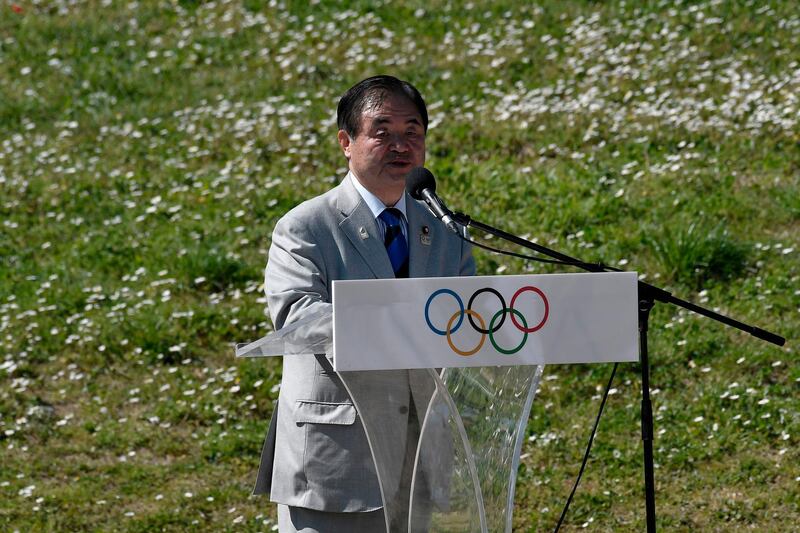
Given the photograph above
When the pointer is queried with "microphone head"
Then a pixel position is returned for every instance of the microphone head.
(419, 179)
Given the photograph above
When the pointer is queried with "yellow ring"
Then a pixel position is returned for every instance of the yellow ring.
(483, 335)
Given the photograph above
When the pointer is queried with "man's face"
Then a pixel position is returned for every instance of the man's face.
(390, 142)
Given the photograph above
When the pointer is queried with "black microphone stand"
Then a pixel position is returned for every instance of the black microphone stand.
(648, 296)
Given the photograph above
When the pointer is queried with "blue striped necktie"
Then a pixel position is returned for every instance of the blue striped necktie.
(395, 241)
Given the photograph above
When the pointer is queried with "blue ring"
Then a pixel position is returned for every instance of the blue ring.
(427, 309)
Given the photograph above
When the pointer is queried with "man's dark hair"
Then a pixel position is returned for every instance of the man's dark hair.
(373, 91)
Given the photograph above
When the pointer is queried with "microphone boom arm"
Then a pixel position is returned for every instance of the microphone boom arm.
(645, 289)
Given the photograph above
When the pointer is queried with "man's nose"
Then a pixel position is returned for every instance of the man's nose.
(399, 143)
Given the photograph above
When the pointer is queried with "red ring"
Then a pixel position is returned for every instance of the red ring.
(546, 309)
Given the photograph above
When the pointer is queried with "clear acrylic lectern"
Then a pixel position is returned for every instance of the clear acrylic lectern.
(445, 443)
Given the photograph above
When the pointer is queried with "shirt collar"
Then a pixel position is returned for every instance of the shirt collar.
(373, 202)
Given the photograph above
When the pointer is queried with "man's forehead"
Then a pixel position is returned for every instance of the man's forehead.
(385, 107)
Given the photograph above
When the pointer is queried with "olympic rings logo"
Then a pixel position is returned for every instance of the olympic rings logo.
(495, 323)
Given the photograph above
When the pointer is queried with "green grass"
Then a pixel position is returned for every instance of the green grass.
(147, 149)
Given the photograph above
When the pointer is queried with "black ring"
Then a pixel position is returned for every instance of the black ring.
(502, 306)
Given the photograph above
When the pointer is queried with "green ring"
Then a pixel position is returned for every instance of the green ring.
(491, 333)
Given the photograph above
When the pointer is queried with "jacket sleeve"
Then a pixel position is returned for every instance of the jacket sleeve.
(295, 279)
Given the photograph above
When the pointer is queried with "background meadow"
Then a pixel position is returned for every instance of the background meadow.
(147, 149)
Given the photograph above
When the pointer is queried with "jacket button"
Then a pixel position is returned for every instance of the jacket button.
(403, 409)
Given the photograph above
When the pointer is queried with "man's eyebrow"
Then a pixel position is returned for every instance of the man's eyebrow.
(377, 121)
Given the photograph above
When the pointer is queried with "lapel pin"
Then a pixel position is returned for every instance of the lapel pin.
(425, 236)
(362, 232)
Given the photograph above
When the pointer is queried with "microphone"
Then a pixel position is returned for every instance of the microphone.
(421, 185)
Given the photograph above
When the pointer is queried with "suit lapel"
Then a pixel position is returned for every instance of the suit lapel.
(421, 239)
(360, 227)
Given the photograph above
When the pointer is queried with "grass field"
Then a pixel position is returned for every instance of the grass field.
(148, 147)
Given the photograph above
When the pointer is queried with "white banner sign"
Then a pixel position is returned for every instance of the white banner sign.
(485, 321)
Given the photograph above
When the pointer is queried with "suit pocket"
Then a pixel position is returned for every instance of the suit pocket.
(312, 412)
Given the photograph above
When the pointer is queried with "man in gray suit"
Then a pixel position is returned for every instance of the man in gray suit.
(316, 461)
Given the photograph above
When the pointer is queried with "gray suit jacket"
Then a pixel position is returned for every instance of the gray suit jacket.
(316, 454)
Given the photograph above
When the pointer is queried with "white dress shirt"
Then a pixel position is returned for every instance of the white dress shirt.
(377, 206)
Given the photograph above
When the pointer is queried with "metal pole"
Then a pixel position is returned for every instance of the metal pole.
(645, 305)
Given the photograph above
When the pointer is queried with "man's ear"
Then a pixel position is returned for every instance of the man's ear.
(344, 141)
